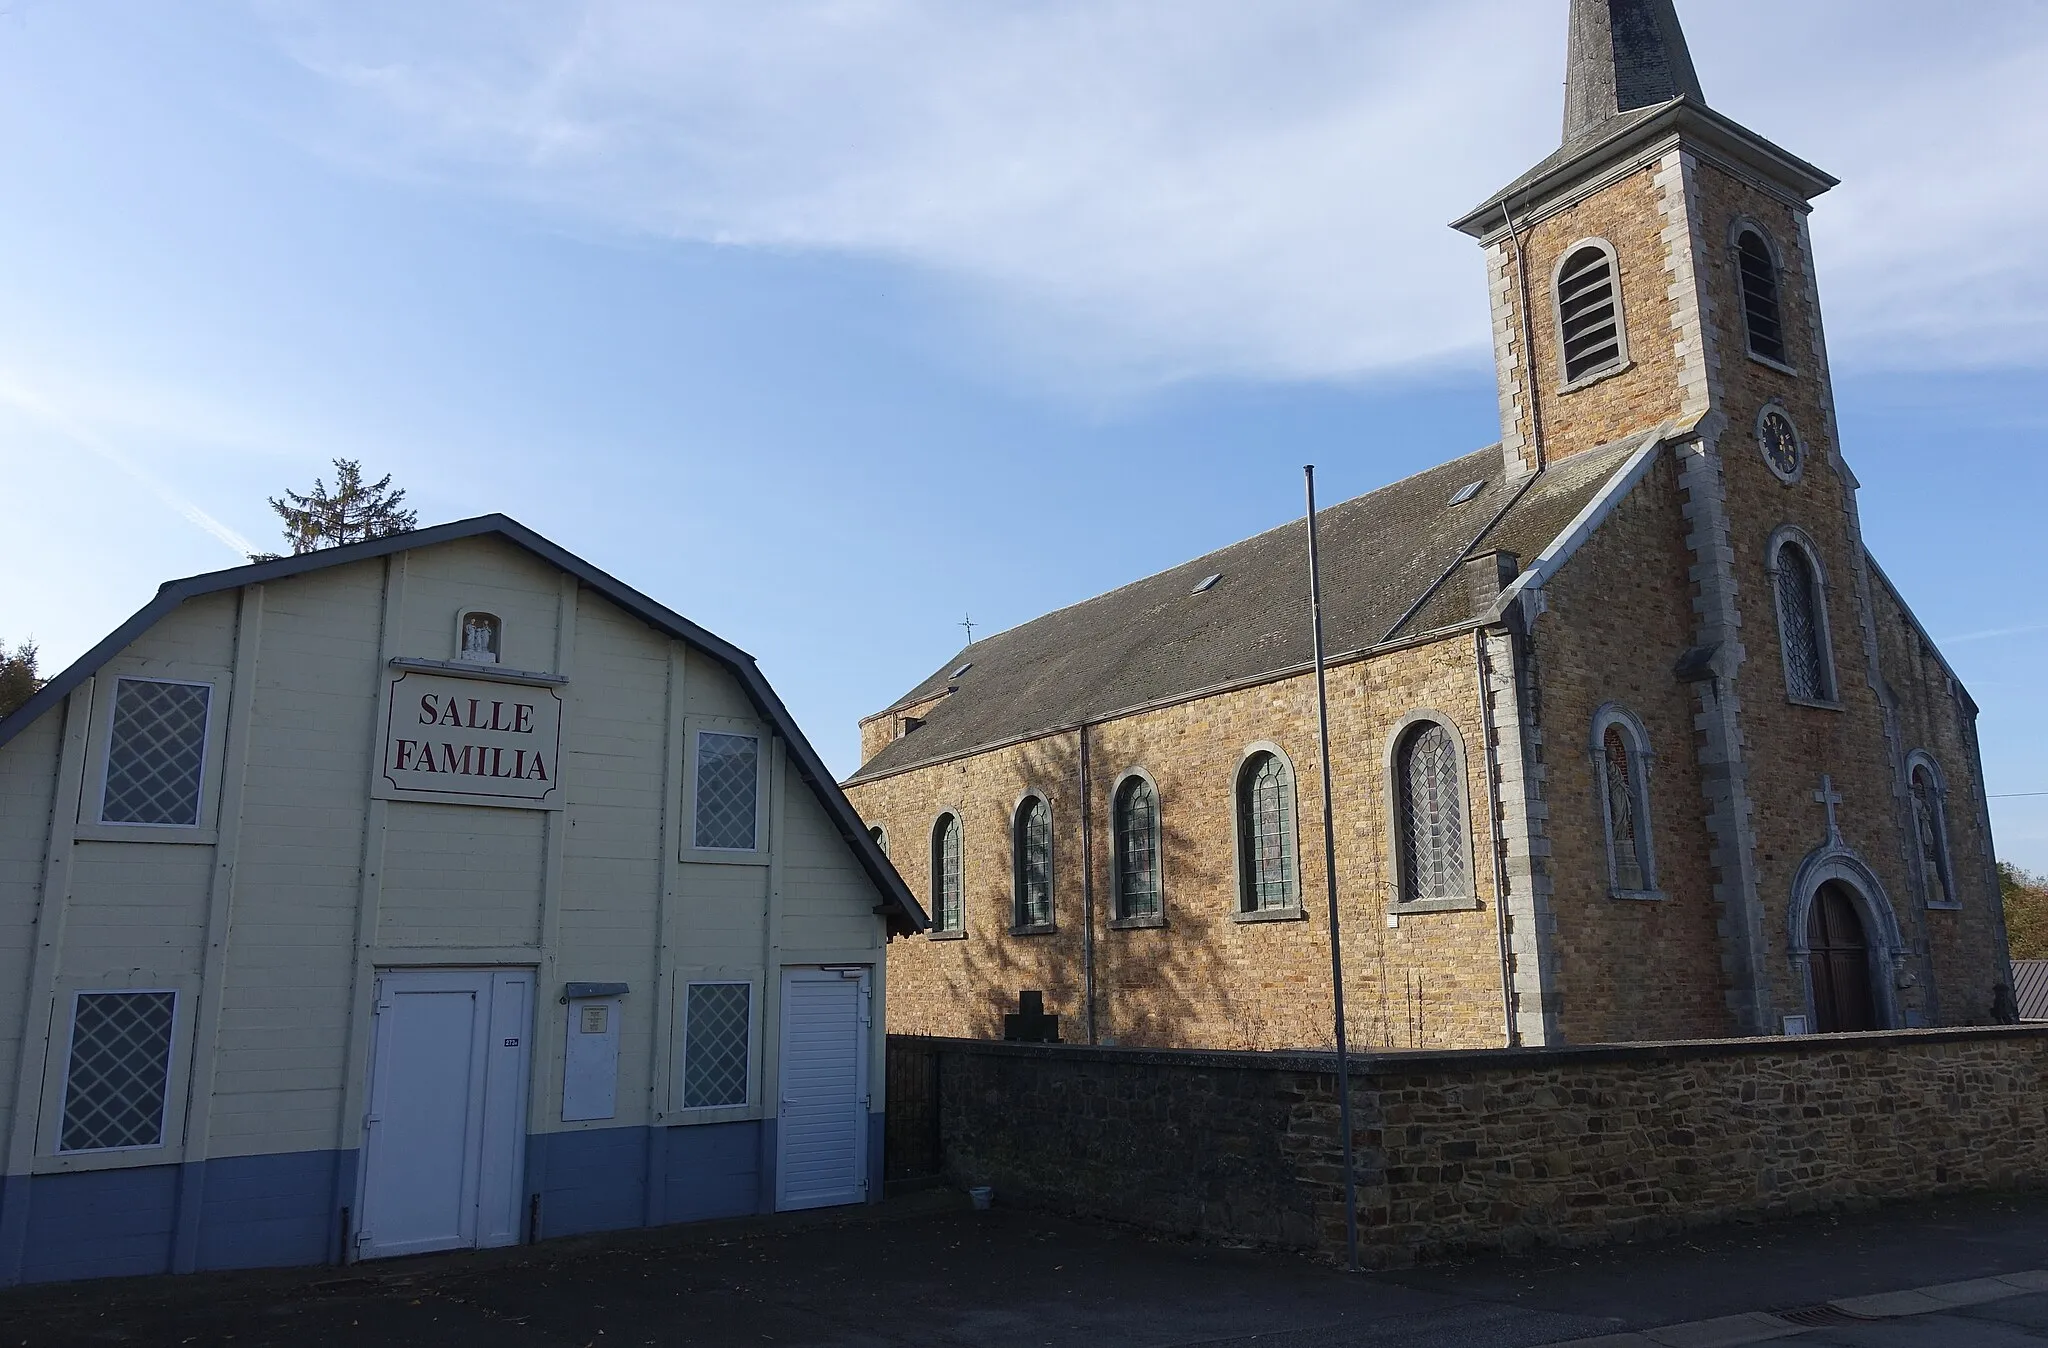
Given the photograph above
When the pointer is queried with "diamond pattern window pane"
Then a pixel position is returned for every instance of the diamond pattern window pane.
(947, 888)
(1432, 818)
(728, 787)
(715, 1045)
(1266, 833)
(120, 1071)
(156, 753)
(1137, 850)
(1798, 609)
(1034, 863)
(1622, 812)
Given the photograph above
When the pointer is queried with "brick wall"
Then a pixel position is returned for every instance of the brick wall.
(1496, 1150)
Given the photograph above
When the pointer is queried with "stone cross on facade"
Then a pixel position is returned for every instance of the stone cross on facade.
(1828, 796)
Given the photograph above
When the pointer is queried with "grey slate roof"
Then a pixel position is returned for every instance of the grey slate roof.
(1387, 558)
(902, 909)
(1623, 55)
(2030, 988)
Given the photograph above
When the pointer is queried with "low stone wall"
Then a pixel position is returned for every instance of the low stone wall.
(1494, 1149)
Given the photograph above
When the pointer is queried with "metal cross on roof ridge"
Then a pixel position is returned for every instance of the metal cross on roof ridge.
(967, 621)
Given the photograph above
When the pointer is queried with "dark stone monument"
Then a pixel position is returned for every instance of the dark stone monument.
(1029, 1024)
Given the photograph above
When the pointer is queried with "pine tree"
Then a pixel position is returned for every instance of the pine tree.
(18, 679)
(354, 512)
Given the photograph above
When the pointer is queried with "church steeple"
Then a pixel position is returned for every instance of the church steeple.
(1623, 55)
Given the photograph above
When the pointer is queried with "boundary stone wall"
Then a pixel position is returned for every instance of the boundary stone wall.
(1493, 1149)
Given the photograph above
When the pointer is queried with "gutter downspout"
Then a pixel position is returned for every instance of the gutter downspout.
(1493, 822)
(1087, 896)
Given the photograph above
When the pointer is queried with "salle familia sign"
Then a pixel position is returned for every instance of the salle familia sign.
(471, 741)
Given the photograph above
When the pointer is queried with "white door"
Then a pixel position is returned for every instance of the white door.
(444, 1138)
(821, 1139)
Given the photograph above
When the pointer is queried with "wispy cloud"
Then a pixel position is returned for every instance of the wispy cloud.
(1995, 633)
(19, 395)
(1200, 187)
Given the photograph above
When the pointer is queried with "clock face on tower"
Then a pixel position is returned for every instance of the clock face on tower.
(1780, 444)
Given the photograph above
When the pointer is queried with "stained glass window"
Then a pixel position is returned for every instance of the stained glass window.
(1432, 816)
(1806, 665)
(1265, 830)
(1137, 849)
(1033, 843)
(948, 900)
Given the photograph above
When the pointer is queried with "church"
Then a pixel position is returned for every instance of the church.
(1631, 737)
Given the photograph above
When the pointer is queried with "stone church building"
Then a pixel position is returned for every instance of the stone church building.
(1631, 736)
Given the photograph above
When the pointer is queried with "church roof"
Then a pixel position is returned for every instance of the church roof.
(1390, 573)
(902, 910)
(1623, 55)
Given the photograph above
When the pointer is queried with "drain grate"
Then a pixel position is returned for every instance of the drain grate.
(1811, 1316)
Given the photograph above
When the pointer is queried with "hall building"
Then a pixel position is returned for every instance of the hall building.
(431, 892)
(1631, 737)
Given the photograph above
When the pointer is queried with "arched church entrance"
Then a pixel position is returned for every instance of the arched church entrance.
(1839, 958)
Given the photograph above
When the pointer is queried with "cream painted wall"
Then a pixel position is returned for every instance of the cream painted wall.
(312, 885)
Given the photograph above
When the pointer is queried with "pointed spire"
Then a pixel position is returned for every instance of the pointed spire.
(1623, 55)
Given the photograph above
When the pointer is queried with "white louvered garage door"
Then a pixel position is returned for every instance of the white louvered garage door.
(822, 1130)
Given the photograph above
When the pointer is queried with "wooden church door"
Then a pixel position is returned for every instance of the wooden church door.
(1840, 962)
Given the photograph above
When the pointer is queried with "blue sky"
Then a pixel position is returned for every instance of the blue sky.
(830, 321)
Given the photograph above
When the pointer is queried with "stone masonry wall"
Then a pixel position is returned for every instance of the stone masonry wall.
(1504, 1149)
(1207, 978)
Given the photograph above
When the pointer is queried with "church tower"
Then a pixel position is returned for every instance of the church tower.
(1654, 279)
(1603, 261)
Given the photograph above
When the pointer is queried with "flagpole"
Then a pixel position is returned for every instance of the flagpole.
(1315, 606)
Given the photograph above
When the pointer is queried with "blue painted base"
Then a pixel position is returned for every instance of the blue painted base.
(274, 1211)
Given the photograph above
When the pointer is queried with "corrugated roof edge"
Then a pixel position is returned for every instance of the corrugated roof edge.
(906, 916)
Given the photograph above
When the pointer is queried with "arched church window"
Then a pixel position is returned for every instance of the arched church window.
(949, 909)
(1135, 835)
(1762, 315)
(881, 837)
(1430, 815)
(1265, 834)
(1031, 862)
(1590, 331)
(1802, 624)
(1930, 824)
(1622, 775)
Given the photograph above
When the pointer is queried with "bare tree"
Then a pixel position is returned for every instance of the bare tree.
(353, 512)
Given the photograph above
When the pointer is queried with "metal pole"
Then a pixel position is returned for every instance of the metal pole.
(1315, 606)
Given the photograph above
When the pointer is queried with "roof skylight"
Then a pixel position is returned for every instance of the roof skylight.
(1468, 491)
(1208, 582)
(962, 670)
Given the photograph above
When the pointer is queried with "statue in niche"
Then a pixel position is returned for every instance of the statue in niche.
(479, 638)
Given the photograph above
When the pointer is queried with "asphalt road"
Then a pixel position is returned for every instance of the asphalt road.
(924, 1270)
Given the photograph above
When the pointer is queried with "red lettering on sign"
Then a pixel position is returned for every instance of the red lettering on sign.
(428, 712)
(522, 719)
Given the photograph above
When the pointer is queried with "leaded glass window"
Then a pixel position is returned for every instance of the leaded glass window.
(1265, 831)
(716, 1022)
(1033, 844)
(728, 791)
(156, 753)
(1137, 849)
(1432, 816)
(1932, 826)
(948, 897)
(1589, 313)
(1760, 306)
(1806, 665)
(119, 1074)
(1622, 773)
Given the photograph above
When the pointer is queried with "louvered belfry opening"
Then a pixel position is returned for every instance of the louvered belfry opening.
(1760, 296)
(1589, 313)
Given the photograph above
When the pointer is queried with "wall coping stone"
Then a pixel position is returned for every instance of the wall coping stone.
(1406, 1062)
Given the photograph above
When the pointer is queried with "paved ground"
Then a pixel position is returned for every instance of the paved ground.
(924, 1271)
